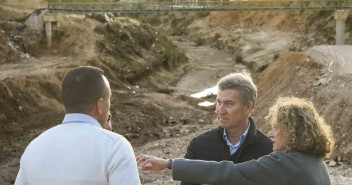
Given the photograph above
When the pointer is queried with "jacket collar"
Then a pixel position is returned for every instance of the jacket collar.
(251, 135)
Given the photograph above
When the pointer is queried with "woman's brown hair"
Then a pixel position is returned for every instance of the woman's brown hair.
(308, 132)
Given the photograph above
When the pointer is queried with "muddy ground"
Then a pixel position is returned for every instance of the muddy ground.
(152, 75)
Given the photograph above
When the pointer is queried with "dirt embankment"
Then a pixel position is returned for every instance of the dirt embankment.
(227, 31)
(296, 74)
(7, 23)
(311, 27)
(7, 54)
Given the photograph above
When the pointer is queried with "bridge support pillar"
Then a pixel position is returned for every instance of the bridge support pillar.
(340, 17)
(48, 19)
(48, 33)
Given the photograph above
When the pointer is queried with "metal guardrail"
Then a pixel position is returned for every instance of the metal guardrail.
(194, 6)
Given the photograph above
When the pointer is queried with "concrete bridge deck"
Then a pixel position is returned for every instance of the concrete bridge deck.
(196, 6)
(81, 6)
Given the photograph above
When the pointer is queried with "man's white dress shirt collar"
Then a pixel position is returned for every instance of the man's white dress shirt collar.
(80, 118)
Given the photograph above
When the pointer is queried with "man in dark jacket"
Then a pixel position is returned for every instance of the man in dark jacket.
(236, 139)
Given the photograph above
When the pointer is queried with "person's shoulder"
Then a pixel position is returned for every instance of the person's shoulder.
(115, 141)
(208, 134)
(281, 157)
(262, 137)
(256, 133)
(298, 161)
(293, 157)
(280, 154)
(303, 156)
(89, 129)
(110, 135)
(49, 133)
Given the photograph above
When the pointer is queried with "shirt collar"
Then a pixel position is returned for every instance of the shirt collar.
(80, 118)
(242, 136)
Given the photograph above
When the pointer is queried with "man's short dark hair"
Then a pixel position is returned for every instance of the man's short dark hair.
(81, 88)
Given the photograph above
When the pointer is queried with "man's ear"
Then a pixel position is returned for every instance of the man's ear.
(248, 108)
(99, 106)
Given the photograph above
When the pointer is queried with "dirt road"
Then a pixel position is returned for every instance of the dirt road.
(207, 65)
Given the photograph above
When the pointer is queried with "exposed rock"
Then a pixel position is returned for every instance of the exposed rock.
(332, 164)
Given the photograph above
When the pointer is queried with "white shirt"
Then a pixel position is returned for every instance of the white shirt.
(78, 152)
(234, 148)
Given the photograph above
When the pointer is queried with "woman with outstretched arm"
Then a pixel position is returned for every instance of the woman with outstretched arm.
(301, 140)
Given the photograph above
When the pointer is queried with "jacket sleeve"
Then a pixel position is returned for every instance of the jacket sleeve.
(190, 155)
(266, 171)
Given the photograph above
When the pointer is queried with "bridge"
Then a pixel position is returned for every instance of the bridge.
(341, 7)
(195, 6)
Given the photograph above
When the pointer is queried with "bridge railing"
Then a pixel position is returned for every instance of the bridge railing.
(201, 5)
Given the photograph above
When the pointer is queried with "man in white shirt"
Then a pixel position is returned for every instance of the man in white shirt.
(79, 151)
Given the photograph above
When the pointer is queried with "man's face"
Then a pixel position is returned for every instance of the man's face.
(103, 118)
(230, 112)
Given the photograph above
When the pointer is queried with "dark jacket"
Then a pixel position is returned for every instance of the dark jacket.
(278, 168)
(211, 146)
